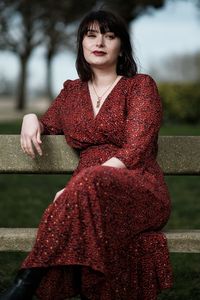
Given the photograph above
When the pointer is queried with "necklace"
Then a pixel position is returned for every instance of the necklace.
(100, 97)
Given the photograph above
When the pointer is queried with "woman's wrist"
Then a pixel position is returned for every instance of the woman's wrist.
(29, 115)
(41, 127)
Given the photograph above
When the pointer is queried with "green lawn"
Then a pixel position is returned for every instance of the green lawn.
(24, 198)
(175, 129)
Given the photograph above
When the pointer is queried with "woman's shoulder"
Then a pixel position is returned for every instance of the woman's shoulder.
(70, 84)
(142, 84)
(140, 78)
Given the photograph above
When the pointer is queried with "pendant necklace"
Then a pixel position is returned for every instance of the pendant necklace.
(100, 97)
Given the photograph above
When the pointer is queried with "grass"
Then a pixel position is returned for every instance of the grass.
(180, 129)
(24, 198)
(10, 127)
(169, 129)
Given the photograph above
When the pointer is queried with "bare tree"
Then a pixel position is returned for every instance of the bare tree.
(20, 32)
(130, 10)
(58, 16)
(24, 26)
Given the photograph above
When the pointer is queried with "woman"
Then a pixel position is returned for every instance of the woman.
(100, 237)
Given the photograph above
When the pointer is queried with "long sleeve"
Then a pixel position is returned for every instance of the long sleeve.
(51, 120)
(144, 116)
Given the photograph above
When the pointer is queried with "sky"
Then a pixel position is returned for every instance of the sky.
(174, 29)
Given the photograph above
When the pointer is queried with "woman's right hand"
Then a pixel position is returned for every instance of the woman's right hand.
(58, 194)
(30, 135)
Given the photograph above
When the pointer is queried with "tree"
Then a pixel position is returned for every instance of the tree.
(24, 26)
(20, 32)
(130, 10)
(58, 16)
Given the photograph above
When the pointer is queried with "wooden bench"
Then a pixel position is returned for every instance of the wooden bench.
(178, 155)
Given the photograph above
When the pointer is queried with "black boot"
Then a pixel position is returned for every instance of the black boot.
(24, 285)
(83, 297)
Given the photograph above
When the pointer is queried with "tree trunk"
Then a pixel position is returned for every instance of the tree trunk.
(21, 95)
(49, 75)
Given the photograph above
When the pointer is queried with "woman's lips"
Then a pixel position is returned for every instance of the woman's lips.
(99, 53)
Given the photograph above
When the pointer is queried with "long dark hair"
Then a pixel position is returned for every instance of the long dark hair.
(107, 21)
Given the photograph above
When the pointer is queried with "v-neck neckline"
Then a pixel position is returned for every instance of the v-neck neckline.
(89, 99)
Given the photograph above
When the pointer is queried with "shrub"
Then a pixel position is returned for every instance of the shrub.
(181, 102)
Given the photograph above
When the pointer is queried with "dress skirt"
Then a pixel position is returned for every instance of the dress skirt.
(101, 239)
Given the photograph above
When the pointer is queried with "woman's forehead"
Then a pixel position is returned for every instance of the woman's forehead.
(96, 27)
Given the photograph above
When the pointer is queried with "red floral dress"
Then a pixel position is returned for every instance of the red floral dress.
(101, 238)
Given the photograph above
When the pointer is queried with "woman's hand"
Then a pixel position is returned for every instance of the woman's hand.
(114, 162)
(58, 194)
(30, 135)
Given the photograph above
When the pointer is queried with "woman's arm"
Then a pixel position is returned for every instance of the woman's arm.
(30, 137)
(144, 116)
(49, 123)
(52, 118)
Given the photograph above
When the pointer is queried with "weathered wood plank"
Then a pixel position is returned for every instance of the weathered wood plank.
(177, 155)
(183, 241)
(22, 239)
(57, 157)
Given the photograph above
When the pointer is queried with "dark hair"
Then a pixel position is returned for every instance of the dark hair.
(107, 21)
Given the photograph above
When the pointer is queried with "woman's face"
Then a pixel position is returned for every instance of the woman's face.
(101, 49)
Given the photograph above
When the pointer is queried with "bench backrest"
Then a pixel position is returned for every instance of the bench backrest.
(177, 155)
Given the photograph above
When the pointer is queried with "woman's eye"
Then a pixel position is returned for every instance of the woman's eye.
(91, 35)
(111, 36)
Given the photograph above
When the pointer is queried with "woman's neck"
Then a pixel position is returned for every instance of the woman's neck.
(103, 77)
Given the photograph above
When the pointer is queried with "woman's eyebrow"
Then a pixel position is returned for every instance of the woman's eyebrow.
(97, 31)
(92, 30)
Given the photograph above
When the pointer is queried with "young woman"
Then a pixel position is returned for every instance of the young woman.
(100, 236)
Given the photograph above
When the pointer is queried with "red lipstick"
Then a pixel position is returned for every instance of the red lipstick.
(99, 53)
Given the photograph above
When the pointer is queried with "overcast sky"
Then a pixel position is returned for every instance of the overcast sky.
(175, 29)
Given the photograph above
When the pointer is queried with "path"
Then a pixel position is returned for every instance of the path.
(9, 113)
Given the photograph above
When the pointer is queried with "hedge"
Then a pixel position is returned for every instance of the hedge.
(181, 102)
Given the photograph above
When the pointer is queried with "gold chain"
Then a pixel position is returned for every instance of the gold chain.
(100, 97)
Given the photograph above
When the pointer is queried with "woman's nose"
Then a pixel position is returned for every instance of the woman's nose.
(100, 41)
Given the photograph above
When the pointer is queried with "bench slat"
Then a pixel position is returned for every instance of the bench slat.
(177, 155)
(22, 239)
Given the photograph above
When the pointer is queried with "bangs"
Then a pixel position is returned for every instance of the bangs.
(101, 22)
(103, 27)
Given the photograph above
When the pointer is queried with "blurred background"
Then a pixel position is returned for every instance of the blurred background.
(38, 53)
